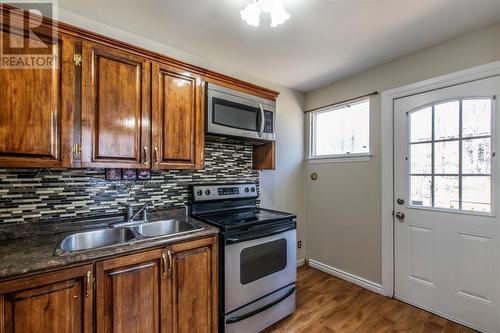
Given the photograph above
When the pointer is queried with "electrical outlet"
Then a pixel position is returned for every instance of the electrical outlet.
(299, 244)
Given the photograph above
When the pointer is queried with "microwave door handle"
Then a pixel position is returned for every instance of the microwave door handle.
(261, 127)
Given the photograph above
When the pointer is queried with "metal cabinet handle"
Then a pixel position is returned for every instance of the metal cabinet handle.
(88, 283)
(145, 155)
(156, 155)
(164, 264)
(169, 255)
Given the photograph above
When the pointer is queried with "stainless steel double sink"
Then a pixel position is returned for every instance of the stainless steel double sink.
(106, 237)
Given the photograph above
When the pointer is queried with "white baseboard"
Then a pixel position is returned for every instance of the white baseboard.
(357, 280)
(301, 262)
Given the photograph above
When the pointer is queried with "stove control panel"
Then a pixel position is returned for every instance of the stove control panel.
(224, 191)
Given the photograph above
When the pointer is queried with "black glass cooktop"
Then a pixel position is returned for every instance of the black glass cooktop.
(242, 218)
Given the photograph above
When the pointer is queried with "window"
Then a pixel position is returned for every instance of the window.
(340, 132)
(450, 155)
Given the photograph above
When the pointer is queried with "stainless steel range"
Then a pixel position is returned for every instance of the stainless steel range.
(257, 256)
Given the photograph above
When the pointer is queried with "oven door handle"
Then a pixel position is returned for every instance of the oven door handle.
(236, 319)
(266, 233)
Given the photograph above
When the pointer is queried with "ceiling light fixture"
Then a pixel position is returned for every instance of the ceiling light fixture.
(275, 8)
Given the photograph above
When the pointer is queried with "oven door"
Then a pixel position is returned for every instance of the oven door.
(228, 114)
(257, 263)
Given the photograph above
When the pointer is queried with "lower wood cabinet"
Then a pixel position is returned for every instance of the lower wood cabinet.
(172, 289)
(192, 288)
(130, 293)
(166, 290)
(56, 302)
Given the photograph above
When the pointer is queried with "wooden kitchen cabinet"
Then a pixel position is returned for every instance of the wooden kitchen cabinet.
(115, 108)
(130, 293)
(164, 290)
(172, 289)
(193, 286)
(57, 302)
(178, 118)
(106, 104)
(264, 156)
(37, 103)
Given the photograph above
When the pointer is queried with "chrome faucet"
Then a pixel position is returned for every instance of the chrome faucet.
(130, 215)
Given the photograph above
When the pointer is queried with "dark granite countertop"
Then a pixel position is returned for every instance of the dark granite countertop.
(27, 249)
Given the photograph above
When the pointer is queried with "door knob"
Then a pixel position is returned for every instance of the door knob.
(400, 216)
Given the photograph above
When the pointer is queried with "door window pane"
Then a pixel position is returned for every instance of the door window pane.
(476, 156)
(446, 120)
(476, 193)
(421, 158)
(476, 117)
(421, 125)
(262, 260)
(452, 168)
(421, 190)
(446, 157)
(446, 192)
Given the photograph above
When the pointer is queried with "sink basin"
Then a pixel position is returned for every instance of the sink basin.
(165, 228)
(95, 239)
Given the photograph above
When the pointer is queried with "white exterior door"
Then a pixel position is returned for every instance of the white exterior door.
(447, 249)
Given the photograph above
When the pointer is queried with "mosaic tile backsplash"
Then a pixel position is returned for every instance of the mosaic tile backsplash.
(37, 195)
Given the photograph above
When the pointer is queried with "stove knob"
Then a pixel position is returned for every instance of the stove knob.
(207, 192)
(247, 189)
(253, 189)
(200, 192)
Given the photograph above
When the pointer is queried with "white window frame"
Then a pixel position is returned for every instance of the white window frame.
(335, 158)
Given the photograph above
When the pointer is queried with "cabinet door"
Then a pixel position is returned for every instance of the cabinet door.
(37, 102)
(129, 293)
(178, 118)
(58, 302)
(115, 108)
(193, 287)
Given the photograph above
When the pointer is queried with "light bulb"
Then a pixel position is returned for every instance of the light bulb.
(275, 8)
(277, 11)
(251, 14)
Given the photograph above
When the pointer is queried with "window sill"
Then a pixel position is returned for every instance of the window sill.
(340, 159)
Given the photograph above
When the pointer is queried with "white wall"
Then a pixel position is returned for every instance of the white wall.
(343, 205)
(282, 188)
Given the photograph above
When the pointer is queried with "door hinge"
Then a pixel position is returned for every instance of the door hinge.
(77, 59)
(77, 150)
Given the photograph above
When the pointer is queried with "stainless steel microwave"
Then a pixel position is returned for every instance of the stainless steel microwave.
(235, 114)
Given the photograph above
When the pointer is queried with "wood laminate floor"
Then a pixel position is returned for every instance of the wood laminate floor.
(328, 304)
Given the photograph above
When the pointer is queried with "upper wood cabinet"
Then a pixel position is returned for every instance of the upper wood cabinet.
(37, 104)
(130, 293)
(178, 118)
(115, 108)
(105, 104)
(264, 156)
(58, 302)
